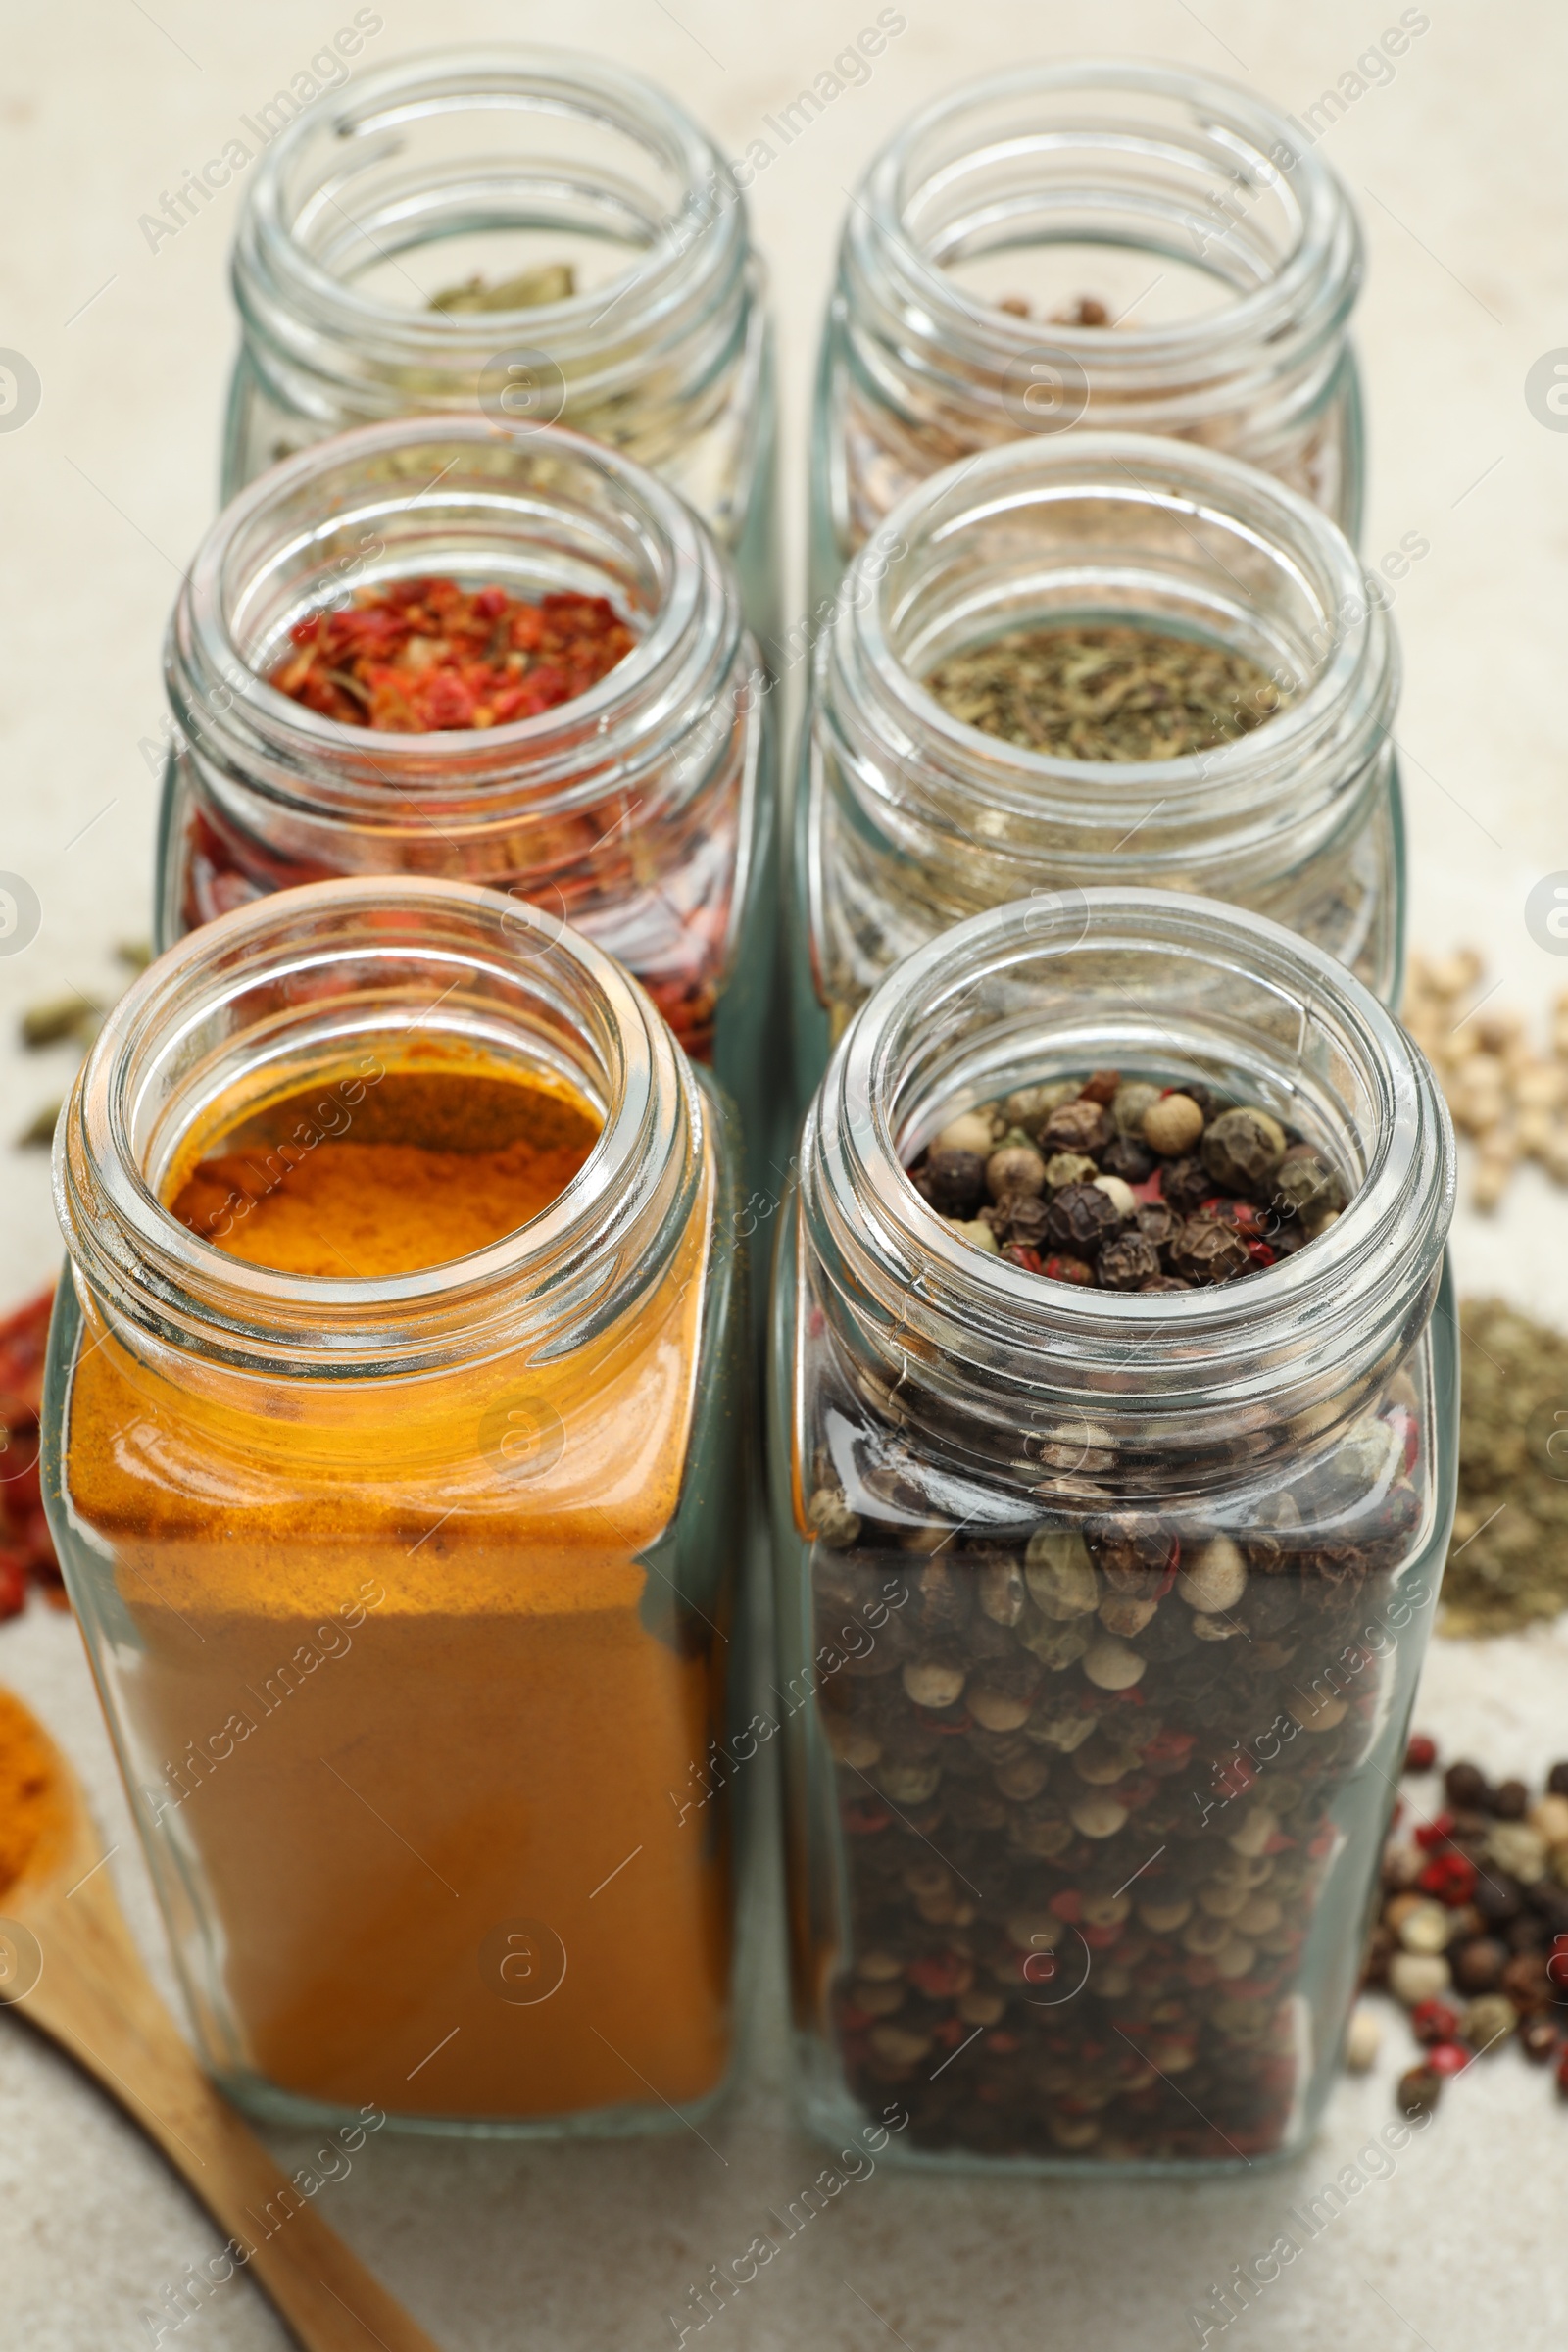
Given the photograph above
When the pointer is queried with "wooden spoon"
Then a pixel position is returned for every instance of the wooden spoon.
(69, 1966)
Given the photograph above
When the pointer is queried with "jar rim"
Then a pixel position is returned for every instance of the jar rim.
(1307, 297)
(895, 1261)
(858, 657)
(568, 1272)
(555, 758)
(276, 278)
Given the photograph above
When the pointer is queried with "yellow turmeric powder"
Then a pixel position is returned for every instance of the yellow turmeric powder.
(29, 1795)
(399, 1692)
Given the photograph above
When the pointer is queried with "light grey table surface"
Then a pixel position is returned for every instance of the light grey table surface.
(103, 494)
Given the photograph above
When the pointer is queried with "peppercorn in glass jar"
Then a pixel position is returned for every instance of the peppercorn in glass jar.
(526, 232)
(1096, 660)
(1108, 1556)
(395, 1455)
(310, 740)
(1132, 245)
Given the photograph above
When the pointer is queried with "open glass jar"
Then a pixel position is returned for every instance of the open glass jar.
(907, 820)
(384, 229)
(1130, 245)
(641, 811)
(412, 1595)
(1101, 1613)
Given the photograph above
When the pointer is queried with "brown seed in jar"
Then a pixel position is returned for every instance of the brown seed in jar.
(934, 1682)
(1078, 1126)
(1172, 1125)
(1014, 1168)
(1097, 1816)
(1002, 1592)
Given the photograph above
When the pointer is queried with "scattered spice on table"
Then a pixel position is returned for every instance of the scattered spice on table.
(27, 1551)
(1106, 693)
(1508, 1095)
(1472, 1933)
(528, 290)
(29, 1790)
(1127, 1184)
(1508, 1562)
(422, 656)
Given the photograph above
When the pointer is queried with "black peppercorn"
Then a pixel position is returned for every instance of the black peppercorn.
(1126, 1158)
(1081, 1216)
(955, 1182)
(1186, 1184)
(1206, 1251)
(1128, 1261)
(1467, 1789)
(1080, 1126)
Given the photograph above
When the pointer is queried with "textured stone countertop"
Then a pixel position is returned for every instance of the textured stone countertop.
(1457, 163)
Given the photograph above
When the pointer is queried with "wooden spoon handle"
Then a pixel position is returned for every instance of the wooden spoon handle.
(95, 1999)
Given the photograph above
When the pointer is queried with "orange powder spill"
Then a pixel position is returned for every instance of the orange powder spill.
(395, 1688)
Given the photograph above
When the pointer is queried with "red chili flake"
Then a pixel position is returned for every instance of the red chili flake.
(1448, 2057)
(1019, 1253)
(1434, 2021)
(1432, 1835)
(862, 1818)
(942, 1977)
(1450, 1876)
(1421, 1752)
(424, 656)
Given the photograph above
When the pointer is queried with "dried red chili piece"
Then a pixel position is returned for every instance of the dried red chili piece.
(425, 656)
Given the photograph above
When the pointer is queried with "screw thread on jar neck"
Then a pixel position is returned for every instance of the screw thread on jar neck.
(295, 988)
(396, 162)
(1106, 528)
(1171, 1385)
(1104, 152)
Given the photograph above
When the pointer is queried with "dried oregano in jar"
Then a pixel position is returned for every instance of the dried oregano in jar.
(1106, 1596)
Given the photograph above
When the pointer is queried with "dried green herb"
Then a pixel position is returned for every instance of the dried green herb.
(1508, 1561)
(529, 290)
(1106, 693)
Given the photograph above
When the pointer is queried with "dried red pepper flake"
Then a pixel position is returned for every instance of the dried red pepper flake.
(425, 656)
(1450, 1876)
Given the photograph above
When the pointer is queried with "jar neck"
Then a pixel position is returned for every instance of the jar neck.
(1115, 1392)
(1220, 194)
(475, 143)
(345, 982)
(1097, 528)
(531, 511)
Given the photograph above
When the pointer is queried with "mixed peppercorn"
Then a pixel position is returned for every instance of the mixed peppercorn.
(1127, 1184)
(1472, 1933)
(424, 656)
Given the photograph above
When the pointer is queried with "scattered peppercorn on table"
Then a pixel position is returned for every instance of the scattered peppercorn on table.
(1390, 2229)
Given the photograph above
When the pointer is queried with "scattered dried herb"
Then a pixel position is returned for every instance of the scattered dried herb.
(529, 290)
(423, 656)
(1508, 1562)
(1106, 693)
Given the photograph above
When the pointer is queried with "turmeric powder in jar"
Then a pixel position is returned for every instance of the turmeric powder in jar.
(394, 1430)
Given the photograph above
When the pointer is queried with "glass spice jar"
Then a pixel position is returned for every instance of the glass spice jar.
(641, 811)
(524, 230)
(1101, 1613)
(1130, 245)
(413, 1586)
(907, 820)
